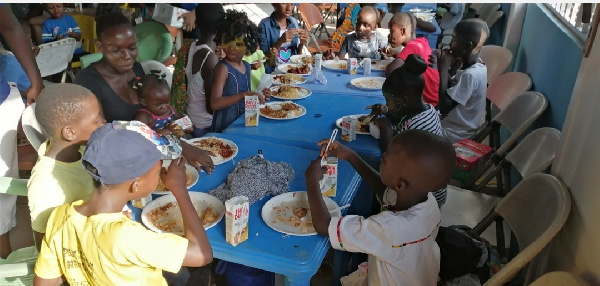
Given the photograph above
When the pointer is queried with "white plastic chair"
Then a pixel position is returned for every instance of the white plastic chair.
(502, 91)
(487, 9)
(32, 128)
(559, 278)
(55, 57)
(496, 59)
(155, 65)
(17, 268)
(493, 18)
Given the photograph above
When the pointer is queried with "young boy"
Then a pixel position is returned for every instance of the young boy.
(94, 243)
(462, 96)
(400, 241)
(60, 26)
(402, 33)
(364, 43)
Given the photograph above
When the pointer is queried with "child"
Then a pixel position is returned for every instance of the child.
(231, 77)
(462, 96)
(280, 37)
(258, 69)
(60, 26)
(402, 33)
(400, 240)
(68, 113)
(364, 43)
(93, 243)
(345, 25)
(155, 98)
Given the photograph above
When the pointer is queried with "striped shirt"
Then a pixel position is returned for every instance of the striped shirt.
(428, 120)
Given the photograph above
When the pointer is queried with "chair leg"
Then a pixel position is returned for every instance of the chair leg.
(500, 243)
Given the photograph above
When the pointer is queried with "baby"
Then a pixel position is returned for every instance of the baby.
(155, 97)
(364, 43)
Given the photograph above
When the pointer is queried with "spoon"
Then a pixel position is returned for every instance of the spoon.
(308, 217)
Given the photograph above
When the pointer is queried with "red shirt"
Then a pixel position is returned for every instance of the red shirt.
(420, 46)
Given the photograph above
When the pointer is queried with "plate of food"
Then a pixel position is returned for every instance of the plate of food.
(283, 213)
(361, 128)
(379, 65)
(420, 10)
(368, 83)
(225, 150)
(301, 69)
(164, 216)
(287, 92)
(191, 178)
(334, 65)
(282, 110)
(302, 59)
(288, 78)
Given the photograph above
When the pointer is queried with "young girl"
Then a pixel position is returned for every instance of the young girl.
(155, 95)
(231, 77)
(405, 109)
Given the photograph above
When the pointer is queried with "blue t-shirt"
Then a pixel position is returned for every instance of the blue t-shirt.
(51, 28)
(11, 70)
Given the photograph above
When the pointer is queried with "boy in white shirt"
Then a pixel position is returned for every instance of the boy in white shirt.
(400, 240)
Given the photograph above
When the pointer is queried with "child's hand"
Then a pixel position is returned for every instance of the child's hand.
(163, 131)
(378, 109)
(256, 65)
(287, 36)
(267, 93)
(328, 55)
(303, 35)
(35, 50)
(174, 177)
(433, 58)
(315, 172)
(335, 149)
(382, 123)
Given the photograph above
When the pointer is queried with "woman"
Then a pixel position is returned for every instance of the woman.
(109, 78)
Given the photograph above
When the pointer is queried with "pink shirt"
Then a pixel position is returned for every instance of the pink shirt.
(420, 46)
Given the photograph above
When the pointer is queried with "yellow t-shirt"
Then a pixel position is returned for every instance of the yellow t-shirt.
(255, 75)
(106, 249)
(54, 183)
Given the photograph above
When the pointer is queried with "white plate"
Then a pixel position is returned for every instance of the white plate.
(379, 65)
(277, 81)
(298, 59)
(285, 67)
(420, 10)
(201, 201)
(302, 93)
(302, 110)
(218, 160)
(335, 65)
(189, 172)
(366, 83)
(338, 123)
(278, 209)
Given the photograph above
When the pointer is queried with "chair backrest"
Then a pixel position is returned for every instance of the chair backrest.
(18, 267)
(87, 24)
(154, 65)
(535, 152)
(496, 59)
(506, 87)
(32, 128)
(54, 57)
(89, 59)
(310, 14)
(519, 115)
(154, 41)
(493, 18)
(487, 9)
(536, 209)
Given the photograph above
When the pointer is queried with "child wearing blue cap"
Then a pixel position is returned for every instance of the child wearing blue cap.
(94, 243)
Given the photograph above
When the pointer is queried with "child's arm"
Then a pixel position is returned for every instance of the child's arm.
(206, 72)
(199, 252)
(446, 103)
(426, 26)
(303, 37)
(370, 176)
(47, 33)
(38, 281)
(319, 212)
(76, 31)
(386, 132)
(218, 101)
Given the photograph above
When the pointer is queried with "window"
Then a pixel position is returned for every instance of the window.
(576, 16)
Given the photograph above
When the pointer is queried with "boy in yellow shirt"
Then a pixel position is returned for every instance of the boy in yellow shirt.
(93, 243)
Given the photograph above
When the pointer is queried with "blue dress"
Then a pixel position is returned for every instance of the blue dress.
(236, 82)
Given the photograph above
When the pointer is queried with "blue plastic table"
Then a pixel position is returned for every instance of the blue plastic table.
(296, 257)
(339, 82)
(431, 36)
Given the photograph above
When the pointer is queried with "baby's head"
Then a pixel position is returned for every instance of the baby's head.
(366, 22)
(469, 37)
(154, 93)
(236, 35)
(54, 9)
(68, 112)
(417, 162)
(126, 153)
(403, 88)
(207, 16)
(402, 29)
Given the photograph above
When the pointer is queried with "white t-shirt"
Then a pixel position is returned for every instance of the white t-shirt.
(401, 245)
(284, 53)
(196, 109)
(468, 88)
(453, 16)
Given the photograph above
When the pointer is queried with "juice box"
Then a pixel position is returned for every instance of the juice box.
(237, 213)
(141, 203)
(185, 123)
(329, 182)
(318, 61)
(349, 128)
(251, 108)
(367, 66)
(352, 65)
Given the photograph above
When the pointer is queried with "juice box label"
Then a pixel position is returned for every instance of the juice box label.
(329, 182)
(349, 128)
(237, 214)
(251, 106)
(185, 123)
(352, 65)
